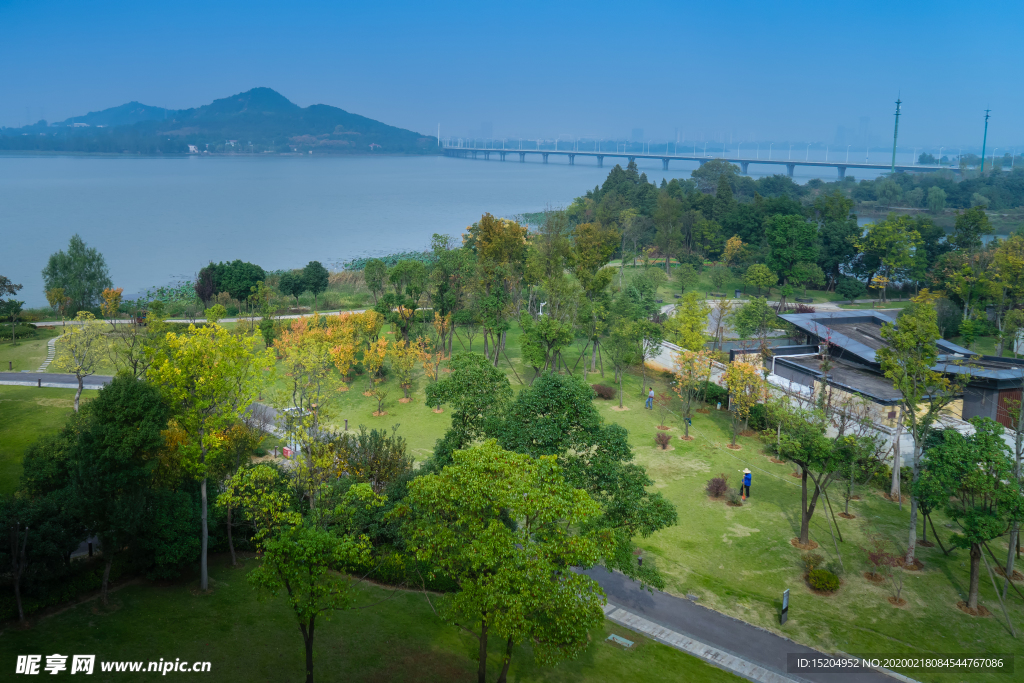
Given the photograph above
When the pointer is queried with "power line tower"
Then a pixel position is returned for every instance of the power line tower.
(895, 133)
(983, 141)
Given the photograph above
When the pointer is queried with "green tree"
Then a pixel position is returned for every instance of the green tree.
(759, 275)
(508, 529)
(969, 228)
(754, 319)
(709, 173)
(81, 272)
(210, 377)
(316, 278)
(891, 244)
(477, 392)
(623, 348)
(291, 284)
(908, 359)
(375, 274)
(837, 229)
(687, 277)
(237, 278)
(557, 416)
(80, 349)
(936, 199)
(542, 341)
(791, 240)
(982, 495)
(115, 460)
(686, 327)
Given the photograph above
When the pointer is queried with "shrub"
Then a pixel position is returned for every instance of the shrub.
(604, 391)
(804, 308)
(714, 393)
(823, 580)
(734, 496)
(662, 439)
(835, 567)
(758, 419)
(811, 561)
(717, 486)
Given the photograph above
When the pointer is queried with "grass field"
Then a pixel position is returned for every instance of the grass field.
(246, 639)
(26, 413)
(737, 560)
(28, 354)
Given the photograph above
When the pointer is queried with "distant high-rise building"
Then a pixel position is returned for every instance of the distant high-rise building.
(637, 135)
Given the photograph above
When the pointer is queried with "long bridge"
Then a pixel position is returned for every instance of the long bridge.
(744, 163)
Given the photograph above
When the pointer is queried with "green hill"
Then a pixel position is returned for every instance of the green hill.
(257, 121)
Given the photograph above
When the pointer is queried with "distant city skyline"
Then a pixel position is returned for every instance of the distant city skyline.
(746, 71)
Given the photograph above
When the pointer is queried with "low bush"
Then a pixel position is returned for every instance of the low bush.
(662, 439)
(834, 567)
(714, 393)
(604, 391)
(823, 580)
(811, 561)
(804, 308)
(734, 496)
(717, 486)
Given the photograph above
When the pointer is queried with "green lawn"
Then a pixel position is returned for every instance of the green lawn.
(25, 414)
(737, 560)
(245, 639)
(25, 355)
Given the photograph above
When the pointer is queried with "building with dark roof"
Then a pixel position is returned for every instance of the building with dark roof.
(851, 339)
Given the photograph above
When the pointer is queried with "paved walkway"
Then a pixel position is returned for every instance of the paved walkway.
(52, 380)
(51, 351)
(744, 649)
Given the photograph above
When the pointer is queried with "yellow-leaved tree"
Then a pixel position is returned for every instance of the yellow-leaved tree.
(686, 327)
(210, 377)
(693, 371)
(747, 388)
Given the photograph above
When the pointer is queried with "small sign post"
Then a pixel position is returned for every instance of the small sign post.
(785, 607)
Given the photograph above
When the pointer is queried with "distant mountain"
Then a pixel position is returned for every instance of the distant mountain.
(258, 121)
(125, 115)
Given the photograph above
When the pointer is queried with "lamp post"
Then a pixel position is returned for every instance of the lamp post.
(705, 149)
(913, 159)
(758, 150)
(939, 160)
(790, 152)
(770, 150)
(848, 153)
(808, 156)
(738, 150)
(826, 154)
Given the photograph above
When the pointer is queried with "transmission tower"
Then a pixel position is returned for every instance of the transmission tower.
(895, 133)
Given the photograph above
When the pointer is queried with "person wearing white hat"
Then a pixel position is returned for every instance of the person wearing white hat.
(745, 486)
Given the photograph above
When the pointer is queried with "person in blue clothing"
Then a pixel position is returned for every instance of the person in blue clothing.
(745, 486)
(649, 403)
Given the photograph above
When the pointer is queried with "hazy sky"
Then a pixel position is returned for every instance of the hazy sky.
(769, 71)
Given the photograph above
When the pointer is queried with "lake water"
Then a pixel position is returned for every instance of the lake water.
(158, 220)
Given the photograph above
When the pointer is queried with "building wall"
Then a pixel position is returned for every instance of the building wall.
(979, 402)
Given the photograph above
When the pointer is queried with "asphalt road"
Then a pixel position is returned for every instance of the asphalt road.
(713, 628)
(53, 379)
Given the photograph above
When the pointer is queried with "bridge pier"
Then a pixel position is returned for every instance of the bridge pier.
(487, 156)
(572, 159)
(842, 172)
(522, 157)
(790, 168)
(545, 155)
(631, 159)
(474, 154)
(702, 161)
(743, 167)
(664, 164)
(502, 155)
(600, 161)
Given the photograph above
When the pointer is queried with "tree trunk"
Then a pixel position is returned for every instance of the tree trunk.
(481, 672)
(894, 488)
(508, 660)
(204, 578)
(1010, 553)
(972, 593)
(620, 389)
(307, 639)
(106, 576)
(593, 358)
(912, 541)
(78, 394)
(231, 543)
(805, 521)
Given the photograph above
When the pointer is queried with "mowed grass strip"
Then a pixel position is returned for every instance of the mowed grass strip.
(247, 639)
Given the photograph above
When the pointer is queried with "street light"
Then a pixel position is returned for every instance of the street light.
(808, 156)
(758, 150)
(790, 152)
(705, 149)
(939, 160)
(826, 154)
(738, 150)
(848, 153)
(770, 150)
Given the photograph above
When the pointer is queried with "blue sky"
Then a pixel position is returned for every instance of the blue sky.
(754, 71)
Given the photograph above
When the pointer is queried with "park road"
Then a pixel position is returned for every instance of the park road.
(733, 636)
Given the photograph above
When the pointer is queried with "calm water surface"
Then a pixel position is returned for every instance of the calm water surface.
(160, 220)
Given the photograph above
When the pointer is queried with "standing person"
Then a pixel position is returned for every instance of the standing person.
(745, 486)
(649, 403)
